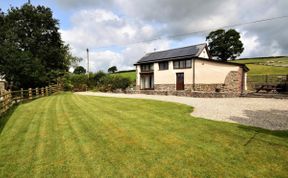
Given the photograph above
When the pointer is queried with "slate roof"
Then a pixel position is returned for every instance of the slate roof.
(178, 53)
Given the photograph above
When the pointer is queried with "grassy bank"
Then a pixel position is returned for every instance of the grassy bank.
(129, 74)
(69, 135)
(266, 66)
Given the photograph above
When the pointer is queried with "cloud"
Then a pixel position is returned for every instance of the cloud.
(124, 59)
(101, 23)
(98, 28)
(75, 4)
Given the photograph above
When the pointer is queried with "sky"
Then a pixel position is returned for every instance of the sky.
(120, 32)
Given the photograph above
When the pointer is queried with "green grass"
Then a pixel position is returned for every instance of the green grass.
(130, 75)
(266, 66)
(266, 70)
(69, 135)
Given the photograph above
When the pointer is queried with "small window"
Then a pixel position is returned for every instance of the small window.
(163, 66)
(188, 63)
(182, 64)
(176, 64)
(147, 68)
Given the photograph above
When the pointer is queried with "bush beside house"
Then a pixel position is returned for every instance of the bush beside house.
(99, 81)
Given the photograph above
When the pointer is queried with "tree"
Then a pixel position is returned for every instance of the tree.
(32, 52)
(112, 69)
(79, 70)
(225, 45)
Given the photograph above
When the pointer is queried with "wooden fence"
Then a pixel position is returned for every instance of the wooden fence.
(9, 98)
(254, 80)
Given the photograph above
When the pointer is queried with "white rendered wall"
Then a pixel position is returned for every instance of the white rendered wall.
(169, 76)
(207, 72)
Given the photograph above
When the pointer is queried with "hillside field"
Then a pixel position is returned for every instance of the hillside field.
(129, 74)
(266, 66)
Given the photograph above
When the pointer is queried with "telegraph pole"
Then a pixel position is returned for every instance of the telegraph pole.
(87, 61)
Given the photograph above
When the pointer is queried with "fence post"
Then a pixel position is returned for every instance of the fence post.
(42, 91)
(46, 91)
(4, 102)
(50, 90)
(21, 94)
(36, 92)
(9, 98)
(30, 93)
(266, 79)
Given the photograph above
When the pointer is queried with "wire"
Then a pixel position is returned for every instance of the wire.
(198, 31)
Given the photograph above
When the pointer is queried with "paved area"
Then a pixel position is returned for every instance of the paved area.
(266, 113)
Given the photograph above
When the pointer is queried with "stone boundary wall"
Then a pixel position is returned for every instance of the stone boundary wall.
(185, 93)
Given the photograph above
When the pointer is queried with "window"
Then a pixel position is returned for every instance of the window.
(163, 65)
(188, 63)
(147, 82)
(182, 64)
(147, 68)
(176, 64)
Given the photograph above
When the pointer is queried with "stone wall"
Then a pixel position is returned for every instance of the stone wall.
(234, 81)
(171, 87)
(209, 87)
(186, 93)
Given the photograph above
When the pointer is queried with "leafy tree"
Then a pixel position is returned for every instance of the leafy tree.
(112, 69)
(79, 70)
(32, 52)
(225, 45)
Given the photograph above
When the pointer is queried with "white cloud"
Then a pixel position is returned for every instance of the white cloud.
(124, 60)
(101, 23)
(251, 44)
(97, 28)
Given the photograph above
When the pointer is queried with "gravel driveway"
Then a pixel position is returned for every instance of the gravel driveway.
(267, 113)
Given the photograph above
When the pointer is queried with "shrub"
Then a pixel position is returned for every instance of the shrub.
(112, 82)
(67, 84)
(94, 79)
(79, 81)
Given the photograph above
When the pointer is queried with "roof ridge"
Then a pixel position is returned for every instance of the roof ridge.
(176, 48)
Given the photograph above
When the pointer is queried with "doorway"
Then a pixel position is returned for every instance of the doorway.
(180, 81)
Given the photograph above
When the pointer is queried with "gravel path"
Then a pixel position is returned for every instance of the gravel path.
(267, 113)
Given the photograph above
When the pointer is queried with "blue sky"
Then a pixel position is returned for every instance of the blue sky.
(58, 12)
(111, 28)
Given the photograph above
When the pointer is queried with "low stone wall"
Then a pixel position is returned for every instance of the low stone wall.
(209, 87)
(171, 87)
(185, 93)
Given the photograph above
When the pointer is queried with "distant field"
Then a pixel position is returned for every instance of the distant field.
(266, 66)
(129, 74)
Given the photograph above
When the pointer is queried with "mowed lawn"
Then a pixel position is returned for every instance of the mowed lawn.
(68, 135)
